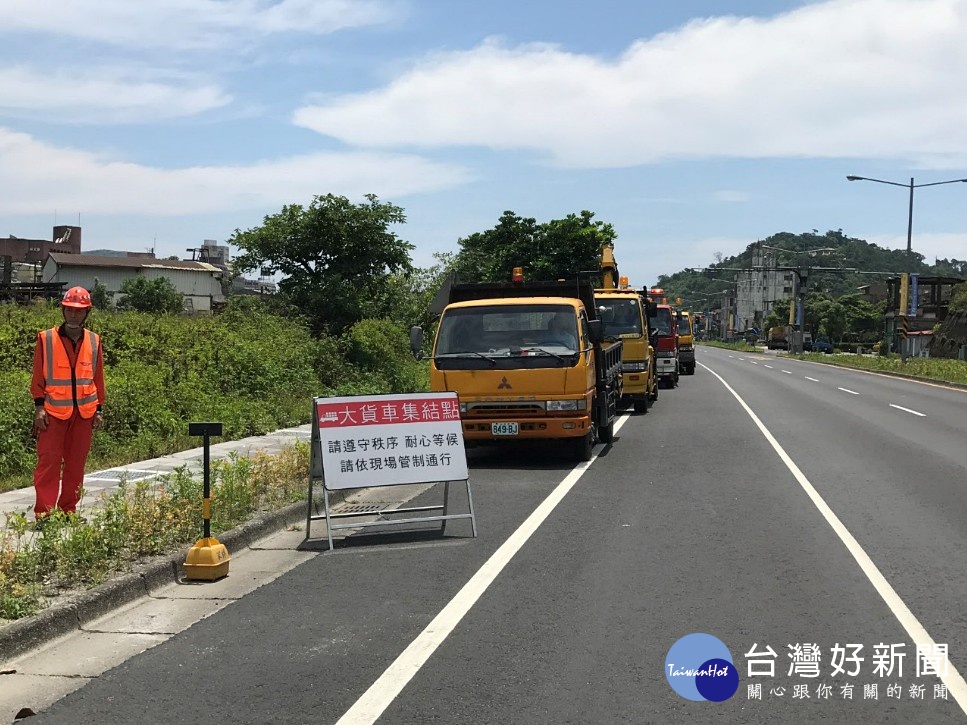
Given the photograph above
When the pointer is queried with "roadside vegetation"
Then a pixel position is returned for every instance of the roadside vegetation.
(249, 367)
(137, 521)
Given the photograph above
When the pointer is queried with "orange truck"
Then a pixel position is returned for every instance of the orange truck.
(686, 343)
(663, 323)
(528, 361)
(624, 317)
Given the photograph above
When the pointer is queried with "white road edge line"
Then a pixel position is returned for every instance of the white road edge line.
(847, 390)
(753, 362)
(955, 683)
(809, 378)
(370, 706)
(768, 366)
(787, 372)
(907, 410)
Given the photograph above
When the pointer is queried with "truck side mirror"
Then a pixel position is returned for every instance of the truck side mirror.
(595, 332)
(416, 341)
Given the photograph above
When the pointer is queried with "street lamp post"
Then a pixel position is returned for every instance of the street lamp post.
(911, 186)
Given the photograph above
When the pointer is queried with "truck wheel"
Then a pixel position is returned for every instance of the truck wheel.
(653, 395)
(582, 447)
(690, 370)
(641, 406)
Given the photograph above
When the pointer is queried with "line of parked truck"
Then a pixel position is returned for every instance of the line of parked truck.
(556, 359)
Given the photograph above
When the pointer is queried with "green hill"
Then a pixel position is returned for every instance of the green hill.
(837, 250)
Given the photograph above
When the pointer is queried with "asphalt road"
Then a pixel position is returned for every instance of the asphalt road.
(848, 526)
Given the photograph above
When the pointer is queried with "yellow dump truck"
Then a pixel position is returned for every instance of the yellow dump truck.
(624, 317)
(528, 361)
(686, 343)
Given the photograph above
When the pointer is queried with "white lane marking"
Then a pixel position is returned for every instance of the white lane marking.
(372, 703)
(847, 390)
(753, 362)
(955, 683)
(731, 355)
(935, 384)
(787, 372)
(741, 358)
(809, 378)
(900, 407)
(769, 366)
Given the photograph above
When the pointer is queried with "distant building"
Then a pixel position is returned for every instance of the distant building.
(199, 282)
(242, 286)
(932, 304)
(212, 253)
(873, 292)
(65, 240)
(759, 288)
(119, 253)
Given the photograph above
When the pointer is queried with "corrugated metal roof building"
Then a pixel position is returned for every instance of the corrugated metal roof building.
(197, 281)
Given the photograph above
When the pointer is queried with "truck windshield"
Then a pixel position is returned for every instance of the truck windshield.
(619, 316)
(509, 330)
(684, 326)
(660, 321)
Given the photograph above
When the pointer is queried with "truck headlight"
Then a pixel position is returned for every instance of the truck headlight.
(559, 405)
(634, 367)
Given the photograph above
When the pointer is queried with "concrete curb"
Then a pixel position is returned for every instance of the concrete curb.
(23, 635)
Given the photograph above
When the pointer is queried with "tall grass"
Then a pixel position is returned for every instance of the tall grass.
(138, 521)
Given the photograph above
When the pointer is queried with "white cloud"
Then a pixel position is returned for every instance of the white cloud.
(939, 245)
(843, 78)
(102, 96)
(186, 24)
(36, 177)
(731, 196)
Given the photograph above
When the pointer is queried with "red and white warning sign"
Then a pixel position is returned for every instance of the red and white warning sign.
(382, 440)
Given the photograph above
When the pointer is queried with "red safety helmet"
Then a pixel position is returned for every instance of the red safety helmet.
(77, 297)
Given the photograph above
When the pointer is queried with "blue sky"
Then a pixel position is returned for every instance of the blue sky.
(693, 127)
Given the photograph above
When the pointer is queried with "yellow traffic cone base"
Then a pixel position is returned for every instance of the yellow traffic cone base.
(207, 560)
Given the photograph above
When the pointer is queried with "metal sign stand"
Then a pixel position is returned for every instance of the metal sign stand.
(316, 474)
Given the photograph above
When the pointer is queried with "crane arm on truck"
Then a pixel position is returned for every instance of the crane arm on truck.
(608, 267)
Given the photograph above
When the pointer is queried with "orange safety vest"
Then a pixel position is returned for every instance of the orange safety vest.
(63, 387)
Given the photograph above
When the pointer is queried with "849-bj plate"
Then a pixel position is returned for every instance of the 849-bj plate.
(504, 429)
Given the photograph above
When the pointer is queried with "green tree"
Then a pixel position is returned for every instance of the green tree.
(100, 297)
(557, 249)
(863, 320)
(826, 317)
(405, 297)
(335, 256)
(778, 315)
(151, 295)
(958, 298)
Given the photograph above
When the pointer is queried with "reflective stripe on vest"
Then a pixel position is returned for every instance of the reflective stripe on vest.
(59, 392)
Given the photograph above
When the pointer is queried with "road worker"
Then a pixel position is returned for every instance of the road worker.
(68, 392)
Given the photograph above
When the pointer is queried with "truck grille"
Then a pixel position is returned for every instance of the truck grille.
(504, 410)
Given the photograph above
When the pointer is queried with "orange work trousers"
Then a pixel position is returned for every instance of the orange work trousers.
(61, 456)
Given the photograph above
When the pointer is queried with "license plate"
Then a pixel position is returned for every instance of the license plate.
(504, 429)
